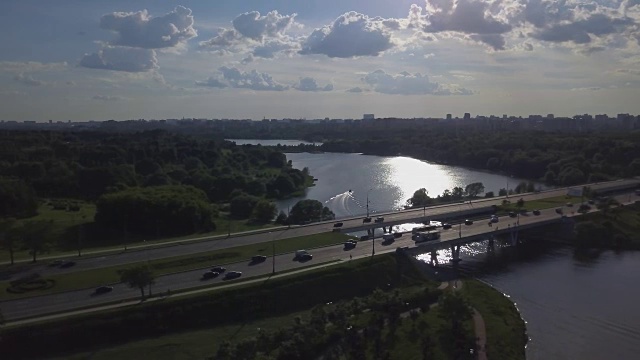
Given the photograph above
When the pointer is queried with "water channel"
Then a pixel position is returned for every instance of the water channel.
(577, 306)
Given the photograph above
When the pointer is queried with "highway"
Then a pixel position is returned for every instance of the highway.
(189, 248)
(68, 301)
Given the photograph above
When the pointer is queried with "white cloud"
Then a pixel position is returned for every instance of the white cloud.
(254, 26)
(355, 90)
(590, 88)
(310, 84)
(351, 34)
(139, 29)
(234, 78)
(27, 79)
(273, 47)
(30, 66)
(409, 84)
(120, 58)
(580, 31)
(107, 98)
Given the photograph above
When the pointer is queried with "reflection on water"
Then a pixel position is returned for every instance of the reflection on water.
(576, 305)
(346, 181)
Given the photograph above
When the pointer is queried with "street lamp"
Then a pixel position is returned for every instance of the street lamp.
(368, 201)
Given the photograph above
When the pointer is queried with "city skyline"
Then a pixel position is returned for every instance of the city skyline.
(77, 60)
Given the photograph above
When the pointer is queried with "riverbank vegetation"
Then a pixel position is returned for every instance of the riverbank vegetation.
(113, 188)
(555, 158)
(614, 227)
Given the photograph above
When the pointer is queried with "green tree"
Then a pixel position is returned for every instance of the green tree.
(281, 218)
(474, 189)
(502, 192)
(309, 210)
(36, 236)
(242, 205)
(138, 277)
(457, 193)
(520, 203)
(264, 211)
(8, 236)
(420, 198)
(17, 199)
(489, 194)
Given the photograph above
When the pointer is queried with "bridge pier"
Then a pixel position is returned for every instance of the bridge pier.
(434, 258)
(455, 253)
(514, 237)
(491, 246)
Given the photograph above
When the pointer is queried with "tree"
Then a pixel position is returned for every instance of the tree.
(264, 211)
(520, 203)
(457, 193)
(138, 277)
(502, 192)
(309, 210)
(281, 219)
(8, 236)
(420, 198)
(17, 199)
(242, 205)
(489, 194)
(474, 189)
(36, 236)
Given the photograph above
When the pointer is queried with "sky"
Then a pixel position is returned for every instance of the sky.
(85, 60)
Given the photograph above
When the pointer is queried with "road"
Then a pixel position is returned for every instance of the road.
(186, 247)
(68, 301)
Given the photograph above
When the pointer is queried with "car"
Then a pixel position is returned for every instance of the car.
(591, 202)
(366, 220)
(569, 204)
(103, 290)
(305, 257)
(258, 259)
(299, 254)
(337, 225)
(218, 269)
(524, 211)
(56, 263)
(350, 245)
(559, 211)
(232, 275)
(536, 212)
(512, 214)
(210, 275)
(67, 264)
(379, 219)
(494, 219)
(468, 222)
(446, 226)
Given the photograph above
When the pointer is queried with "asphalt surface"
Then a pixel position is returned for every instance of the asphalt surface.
(185, 247)
(72, 300)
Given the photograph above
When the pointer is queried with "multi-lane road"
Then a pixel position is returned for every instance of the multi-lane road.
(68, 301)
(187, 247)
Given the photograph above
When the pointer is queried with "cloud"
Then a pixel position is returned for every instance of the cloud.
(121, 58)
(351, 34)
(107, 98)
(234, 78)
(140, 30)
(27, 79)
(590, 88)
(30, 66)
(580, 31)
(628, 71)
(468, 17)
(273, 47)
(12, 93)
(254, 26)
(223, 38)
(310, 84)
(356, 90)
(409, 84)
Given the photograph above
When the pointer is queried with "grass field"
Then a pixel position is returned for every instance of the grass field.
(67, 229)
(554, 202)
(109, 275)
(506, 331)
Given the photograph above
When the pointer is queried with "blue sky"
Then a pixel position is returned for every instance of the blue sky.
(97, 60)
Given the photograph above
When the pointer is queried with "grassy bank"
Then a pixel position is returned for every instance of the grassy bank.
(615, 228)
(554, 202)
(242, 305)
(109, 275)
(69, 225)
(506, 331)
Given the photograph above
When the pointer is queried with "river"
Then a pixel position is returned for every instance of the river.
(576, 307)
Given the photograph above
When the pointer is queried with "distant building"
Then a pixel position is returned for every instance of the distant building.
(368, 117)
(449, 116)
(467, 116)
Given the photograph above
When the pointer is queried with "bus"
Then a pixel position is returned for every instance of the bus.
(426, 236)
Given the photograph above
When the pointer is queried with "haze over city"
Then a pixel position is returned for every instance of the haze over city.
(81, 60)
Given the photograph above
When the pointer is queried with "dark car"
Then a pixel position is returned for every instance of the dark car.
(379, 219)
(337, 225)
(350, 245)
(570, 204)
(305, 257)
(559, 211)
(446, 226)
(366, 220)
(512, 214)
(218, 269)
(67, 264)
(103, 290)
(232, 275)
(258, 259)
(468, 222)
(591, 201)
(536, 212)
(210, 275)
